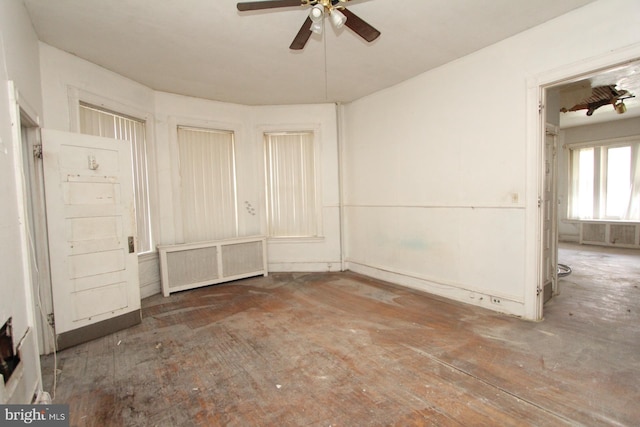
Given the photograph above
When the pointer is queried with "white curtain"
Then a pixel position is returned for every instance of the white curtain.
(582, 183)
(599, 185)
(291, 184)
(633, 208)
(94, 121)
(208, 184)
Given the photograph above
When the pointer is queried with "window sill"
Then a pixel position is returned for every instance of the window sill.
(601, 221)
(288, 240)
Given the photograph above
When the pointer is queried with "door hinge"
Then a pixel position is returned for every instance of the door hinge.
(539, 201)
(540, 107)
(538, 291)
(51, 320)
(37, 151)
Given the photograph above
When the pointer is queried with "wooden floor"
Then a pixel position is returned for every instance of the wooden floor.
(339, 349)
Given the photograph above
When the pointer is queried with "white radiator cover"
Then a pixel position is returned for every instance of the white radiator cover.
(603, 233)
(192, 265)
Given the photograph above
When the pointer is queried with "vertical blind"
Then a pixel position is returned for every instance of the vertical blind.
(291, 184)
(98, 122)
(208, 184)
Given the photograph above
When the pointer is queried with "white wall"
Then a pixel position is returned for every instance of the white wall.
(18, 63)
(568, 230)
(439, 192)
(249, 124)
(318, 254)
(67, 78)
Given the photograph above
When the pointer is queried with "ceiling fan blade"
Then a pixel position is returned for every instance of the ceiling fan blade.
(269, 4)
(303, 35)
(359, 26)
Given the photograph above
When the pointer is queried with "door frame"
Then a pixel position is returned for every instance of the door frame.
(36, 231)
(32, 209)
(29, 345)
(537, 86)
(552, 163)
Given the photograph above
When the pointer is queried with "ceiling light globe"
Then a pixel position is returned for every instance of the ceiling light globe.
(337, 18)
(317, 12)
(316, 27)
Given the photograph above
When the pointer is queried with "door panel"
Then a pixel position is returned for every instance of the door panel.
(90, 216)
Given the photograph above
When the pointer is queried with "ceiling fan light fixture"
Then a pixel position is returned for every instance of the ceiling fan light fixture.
(337, 18)
(316, 27)
(317, 13)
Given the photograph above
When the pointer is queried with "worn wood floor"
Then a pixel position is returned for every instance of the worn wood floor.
(339, 349)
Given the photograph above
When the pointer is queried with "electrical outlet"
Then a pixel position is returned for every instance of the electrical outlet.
(495, 300)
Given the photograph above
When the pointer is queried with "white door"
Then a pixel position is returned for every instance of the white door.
(550, 216)
(91, 227)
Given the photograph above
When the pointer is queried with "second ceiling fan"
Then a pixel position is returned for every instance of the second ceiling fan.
(337, 13)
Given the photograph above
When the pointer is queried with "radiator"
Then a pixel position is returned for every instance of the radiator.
(192, 265)
(610, 234)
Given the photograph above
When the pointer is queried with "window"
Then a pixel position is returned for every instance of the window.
(208, 184)
(605, 181)
(100, 122)
(291, 184)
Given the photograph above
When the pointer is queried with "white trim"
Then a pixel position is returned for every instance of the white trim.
(288, 240)
(304, 267)
(21, 193)
(341, 137)
(76, 95)
(28, 109)
(609, 142)
(31, 351)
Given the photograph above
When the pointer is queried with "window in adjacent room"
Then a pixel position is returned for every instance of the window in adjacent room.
(290, 168)
(208, 184)
(101, 122)
(605, 181)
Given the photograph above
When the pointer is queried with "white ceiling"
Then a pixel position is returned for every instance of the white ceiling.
(207, 49)
(626, 77)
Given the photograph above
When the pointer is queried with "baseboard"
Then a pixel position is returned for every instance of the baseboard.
(98, 330)
(501, 304)
(569, 238)
(150, 290)
(304, 267)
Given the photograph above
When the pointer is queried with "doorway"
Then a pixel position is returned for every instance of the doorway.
(572, 105)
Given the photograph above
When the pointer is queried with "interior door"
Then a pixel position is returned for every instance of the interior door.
(91, 227)
(550, 215)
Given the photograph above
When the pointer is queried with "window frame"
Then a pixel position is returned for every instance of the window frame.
(600, 175)
(234, 167)
(317, 179)
(77, 99)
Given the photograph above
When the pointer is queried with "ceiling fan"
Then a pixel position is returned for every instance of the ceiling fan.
(337, 13)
